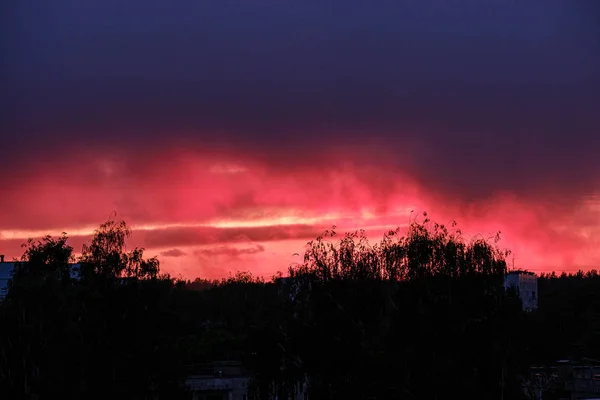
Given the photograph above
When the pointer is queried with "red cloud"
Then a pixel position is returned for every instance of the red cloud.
(189, 200)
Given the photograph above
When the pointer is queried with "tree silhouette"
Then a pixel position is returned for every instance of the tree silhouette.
(87, 331)
(105, 256)
(421, 314)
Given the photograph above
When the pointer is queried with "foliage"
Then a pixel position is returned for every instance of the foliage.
(104, 327)
(105, 256)
(395, 316)
(422, 314)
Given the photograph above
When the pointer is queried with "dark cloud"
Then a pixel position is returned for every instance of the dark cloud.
(469, 97)
(160, 238)
(229, 251)
(205, 236)
(173, 253)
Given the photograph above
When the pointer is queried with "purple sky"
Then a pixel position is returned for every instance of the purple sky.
(465, 99)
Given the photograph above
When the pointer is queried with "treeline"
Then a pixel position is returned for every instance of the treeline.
(567, 324)
(420, 315)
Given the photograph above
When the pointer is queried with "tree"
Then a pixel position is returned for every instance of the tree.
(421, 314)
(416, 308)
(89, 331)
(105, 256)
(38, 317)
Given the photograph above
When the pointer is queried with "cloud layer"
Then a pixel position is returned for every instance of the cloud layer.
(220, 125)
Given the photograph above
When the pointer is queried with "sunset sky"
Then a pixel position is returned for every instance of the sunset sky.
(229, 133)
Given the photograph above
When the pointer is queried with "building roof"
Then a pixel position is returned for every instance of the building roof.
(520, 272)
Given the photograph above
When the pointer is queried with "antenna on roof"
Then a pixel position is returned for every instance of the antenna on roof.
(513, 263)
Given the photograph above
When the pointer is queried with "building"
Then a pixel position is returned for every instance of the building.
(223, 380)
(565, 380)
(526, 285)
(5, 274)
(228, 380)
(582, 380)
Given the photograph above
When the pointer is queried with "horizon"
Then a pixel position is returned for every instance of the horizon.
(228, 136)
(493, 240)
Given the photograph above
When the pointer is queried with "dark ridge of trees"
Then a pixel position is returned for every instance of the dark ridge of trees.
(420, 315)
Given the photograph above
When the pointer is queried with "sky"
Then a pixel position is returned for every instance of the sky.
(229, 133)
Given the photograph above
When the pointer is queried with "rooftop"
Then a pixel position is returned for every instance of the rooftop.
(520, 272)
